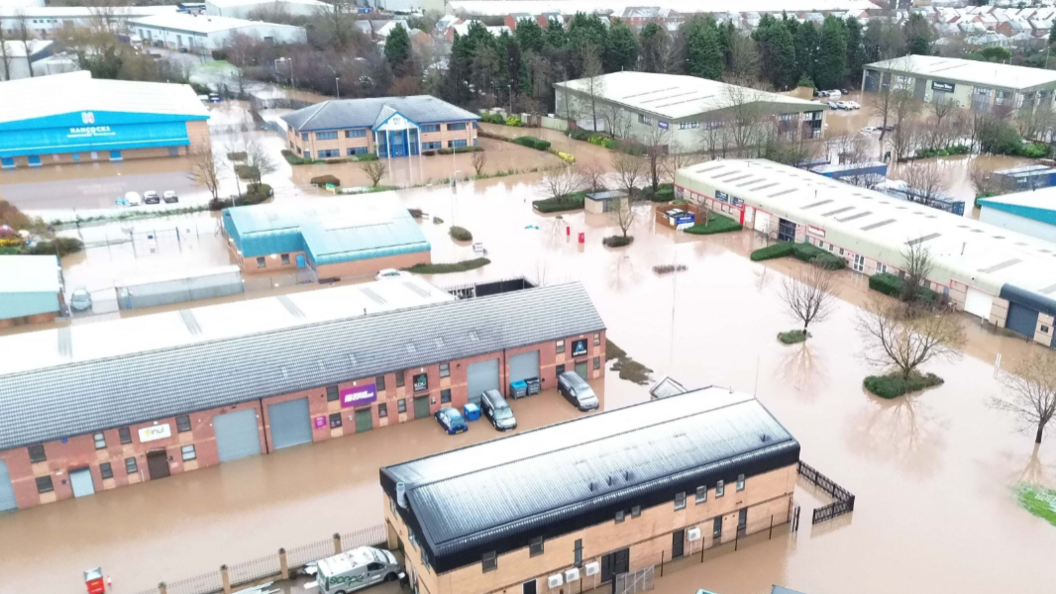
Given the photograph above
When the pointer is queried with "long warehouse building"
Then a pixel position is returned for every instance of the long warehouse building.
(98, 406)
(1004, 277)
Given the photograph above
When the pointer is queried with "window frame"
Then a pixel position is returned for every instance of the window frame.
(720, 489)
(285, 259)
(680, 500)
(98, 438)
(740, 482)
(335, 417)
(262, 262)
(36, 459)
(716, 527)
(636, 511)
(597, 338)
(577, 552)
(445, 370)
(401, 378)
(489, 561)
(328, 135)
(559, 346)
(106, 470)
(379, 383)
(124, 435)
(193, 452)
(456, 127)
(180, 423)
(621, 515)
(45, 484)
(597, 363)
(131, 465)
(401, 406)
(333, 394)
(383, 410)
(445, 396)
(537, 546)
(702, 494)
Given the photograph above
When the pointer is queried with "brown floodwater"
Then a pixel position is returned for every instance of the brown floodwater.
(954, 173)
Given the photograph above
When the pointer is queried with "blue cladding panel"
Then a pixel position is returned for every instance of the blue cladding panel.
(94, 137)
(78, 119)
(17, 305)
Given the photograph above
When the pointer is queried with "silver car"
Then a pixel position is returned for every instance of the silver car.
(80, 299)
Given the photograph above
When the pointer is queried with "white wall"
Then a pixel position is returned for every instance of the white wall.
(243, 11)
(1023, 225)
(177, 39)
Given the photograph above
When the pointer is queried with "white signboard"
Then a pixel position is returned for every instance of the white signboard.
(155, 433)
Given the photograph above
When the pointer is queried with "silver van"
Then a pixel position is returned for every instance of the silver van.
(497, 410)
(577, 391)
(353, 570)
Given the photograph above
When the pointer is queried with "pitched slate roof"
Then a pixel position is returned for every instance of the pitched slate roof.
(498, 495)
(81, 397)
(363, 113)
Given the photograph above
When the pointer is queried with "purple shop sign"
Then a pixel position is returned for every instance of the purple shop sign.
(320, 422)
(358, 396)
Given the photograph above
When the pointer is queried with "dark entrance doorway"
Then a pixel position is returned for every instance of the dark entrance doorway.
(581, 370)
(528, 587)
(678, 544)
(786, 230)
(615, 563)
(157, 464)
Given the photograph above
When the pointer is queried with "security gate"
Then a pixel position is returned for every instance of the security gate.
(524, 366)
(290, 424)
(421, 407)
(81, 481)
(1022, 319)
(236, 435)
(7, 492)
(481, 376)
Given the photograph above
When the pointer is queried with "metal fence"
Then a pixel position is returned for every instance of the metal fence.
(635, 581)
(844, 499)
(298, 556)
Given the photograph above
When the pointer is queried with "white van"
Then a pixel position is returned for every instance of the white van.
(354, 570)
(133, 198)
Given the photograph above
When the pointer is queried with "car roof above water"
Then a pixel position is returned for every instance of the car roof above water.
(572, 378)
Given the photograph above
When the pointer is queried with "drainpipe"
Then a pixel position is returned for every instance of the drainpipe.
(263, 424)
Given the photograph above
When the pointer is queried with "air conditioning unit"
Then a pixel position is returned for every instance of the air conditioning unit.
(693, 534)
(554, 581)
(592, 568)
(572, 575)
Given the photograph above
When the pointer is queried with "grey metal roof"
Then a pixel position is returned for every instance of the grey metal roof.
(363, 113)
(82, 397)
(498, 495)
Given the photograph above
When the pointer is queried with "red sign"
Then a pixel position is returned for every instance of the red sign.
(96, 586)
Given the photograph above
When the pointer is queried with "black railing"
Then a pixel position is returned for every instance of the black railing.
(844, 499)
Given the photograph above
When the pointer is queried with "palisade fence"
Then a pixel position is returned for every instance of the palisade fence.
(844, 499)
(281, 565)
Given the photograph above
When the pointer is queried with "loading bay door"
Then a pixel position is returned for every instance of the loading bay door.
(1022, 319)
(7, 492)
(978, 303)
(481, 376)
(81, 481)
(290, 424)
(236, 435)
(524, 366)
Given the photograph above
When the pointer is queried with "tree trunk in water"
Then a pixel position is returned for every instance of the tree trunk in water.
(1041, 428)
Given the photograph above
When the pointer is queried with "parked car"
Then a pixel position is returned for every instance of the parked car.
(353, 570)
(151, 197)
(80, 299)
(170, 197)
(832, 105)
(842, 105)
(834, 94)
(854, 104)
(387, 273)
(121, 201)
(887, 128)
(868, 129)
(133, 198)
(821, 93)
(845, 91)
(577, 391)
(451, 420)
(497, 410)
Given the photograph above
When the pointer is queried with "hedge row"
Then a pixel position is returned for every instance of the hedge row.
(892, 285)
(532, 142)
(617, 241)
(322, 180)
(717, 224)
(573, 201)
(778, 250)
(254, 194)
(801, 251)
(443, 268)
(461, 234)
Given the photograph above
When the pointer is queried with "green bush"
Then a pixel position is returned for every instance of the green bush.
(894, 385)
(460, 234)
(514, 121)
(459, 149)
(982, 196)
(664, 193)
(717, 224)
(891, 285)
(322, 180)
(493, 118)
(542, 145)
(573, 201)
(254, 194)
(617, 241)
(366, 157)
(293, 159)
(1035, 150)
(428, 153)
(777, 250)
(453, 267)
(793, 336)
(59, 246)
(246, 172)
(579, 134)
(810, 253)
(237, 156)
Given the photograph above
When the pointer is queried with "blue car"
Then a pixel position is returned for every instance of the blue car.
(451, 420)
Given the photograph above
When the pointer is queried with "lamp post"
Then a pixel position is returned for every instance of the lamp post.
(510, 87)
(337, 83)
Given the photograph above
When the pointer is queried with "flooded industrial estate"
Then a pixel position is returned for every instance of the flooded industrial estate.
(933, 473)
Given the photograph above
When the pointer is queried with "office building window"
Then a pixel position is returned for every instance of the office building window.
(335, 420)
(359, 150)
(329, 153)
(36, 453)
(636, 511)
(702, 494)
(445, 396)
(559, 369)
(183, 423)
(304, 136)
(445, 370)
(597, 338)
(455, 127)
(716, 530)
(490, 561)
(597, 362)
(285, 259)
(361, 133)
(432, 146)
(188, 453)
(379, 383)
(560, 346)
(430, 128)
(720, 488)
(130, 466)
(100, 441)
(383, 410)
(326, 135)
(740, 482)
(106, 470)
(261, 262)
(400, 379)
(742, 518)
(456, 143)
(401, 405)
(44, 484)
(644, 119)
(332, 393)
(125, 434)
(680, 500)
(535, 547)
(620, 515)
(577, 552)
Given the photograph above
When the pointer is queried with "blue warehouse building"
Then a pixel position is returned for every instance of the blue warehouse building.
(70, 118)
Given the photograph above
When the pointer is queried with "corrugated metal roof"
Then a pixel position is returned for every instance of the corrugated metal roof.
(81, 397)
(363, 113)
(988, 74)
(497, 495)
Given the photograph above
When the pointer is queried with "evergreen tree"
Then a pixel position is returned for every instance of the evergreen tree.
(455, 88)
(777, 52)
(806, 51)
(530, 35)
(1052, 33)
(556, 36)
(855, 52)
(703, 53)
(621, 48)
(655, 48)
(917, 32)
(398, 49)
(831, 61)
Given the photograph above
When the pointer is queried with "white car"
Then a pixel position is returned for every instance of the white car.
(834, 94)
(170, 197)
(868, 129)
(854, 104)
(388, 273)
(133, 198)
(80, 299)
(151, 197)
(833, 105)
(842, 105)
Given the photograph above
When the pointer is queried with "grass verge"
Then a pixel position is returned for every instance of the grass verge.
(617, 241)
(573, 201)
(793, 336)
(629, 369)
(1039, 501)
(894, 385)
(717, 224)
(462, 266)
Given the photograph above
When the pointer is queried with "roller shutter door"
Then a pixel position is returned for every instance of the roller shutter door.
(1022, 319)
(236, 435)
(762, 222)
(481, 376)
(978, 303)
(524, 366)
(7, 492)
(290, 424)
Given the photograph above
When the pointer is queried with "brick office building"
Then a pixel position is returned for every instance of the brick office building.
(585, 500)
(191, 389)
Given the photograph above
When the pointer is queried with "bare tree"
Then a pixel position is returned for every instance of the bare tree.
(617, 121)
(5, 59)
(22, 30)
(941, 108)
(559, 182)
(677, 158)
(927, 177)
(206, 168)
(623, 212)
(745, 117)
(1030, 392)
(480, 158)
(629, 170)
(810, 295)
(375, 170)
(593, 174)
(106, 15)
(981, 180)
(656, 148)
(595, 82)
(258, 161)
(917, 265)
(904, 338)
(337, 18)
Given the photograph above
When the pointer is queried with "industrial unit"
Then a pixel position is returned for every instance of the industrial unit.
(587, 499)
(71, 117)
(385, 126)
(42, 21)
(980, 86)
(337, 237)
(1001, 276)
(30, 289)
(203, 33)
(97, 406)
(1029, 213)
(243, 9)
(693, 110)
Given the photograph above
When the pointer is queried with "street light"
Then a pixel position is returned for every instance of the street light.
(510, 87)
(337, 83)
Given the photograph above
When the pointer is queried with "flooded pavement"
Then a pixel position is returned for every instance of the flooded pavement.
(933, 473)
(954, 173)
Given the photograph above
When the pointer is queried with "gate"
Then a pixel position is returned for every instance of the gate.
(636, 581)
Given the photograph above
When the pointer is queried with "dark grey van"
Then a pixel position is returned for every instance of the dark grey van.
(577, 391)
(497, 410)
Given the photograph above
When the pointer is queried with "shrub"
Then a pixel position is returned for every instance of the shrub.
(514, 121)
(322, 180)
(460, 234)
(254, 194)
(793, 336)
(452, 267)
(982, 196)
(415, 212)
(459, 149)
(429, 153)
(1035, 150)
(602, 141)
(664, 193)
(493, 118)
(778, 250)
(891, 285)
(542, 145)
(246, 172)
(617, 241)
(573, 201)
(293, 159)
(579, 134)
(237, 156)
(60, 246)
(717, 224)
(811, 253)
(894, 385)
(366, 157)
(532, 142)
